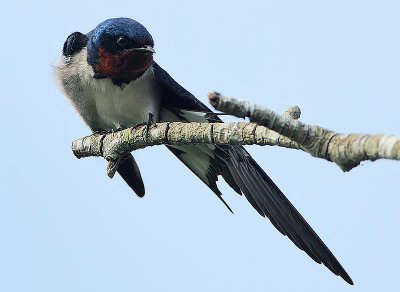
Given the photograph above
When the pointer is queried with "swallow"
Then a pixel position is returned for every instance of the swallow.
(112, 80)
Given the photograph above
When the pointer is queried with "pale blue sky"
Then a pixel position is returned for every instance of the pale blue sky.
(66, 227)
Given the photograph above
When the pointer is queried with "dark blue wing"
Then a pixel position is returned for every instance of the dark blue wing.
(175, 96)
(241, 172)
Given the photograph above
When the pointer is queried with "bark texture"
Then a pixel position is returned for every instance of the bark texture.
(346, 150)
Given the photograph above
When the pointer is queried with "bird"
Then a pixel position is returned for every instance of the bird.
(111, 78)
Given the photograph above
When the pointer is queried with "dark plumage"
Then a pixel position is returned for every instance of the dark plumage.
(248, 177)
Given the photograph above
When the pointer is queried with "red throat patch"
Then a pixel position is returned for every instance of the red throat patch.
(125, 66)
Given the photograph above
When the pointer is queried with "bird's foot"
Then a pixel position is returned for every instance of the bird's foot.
(118, 129)
(105, 132)
(101, 132)
(150, 122)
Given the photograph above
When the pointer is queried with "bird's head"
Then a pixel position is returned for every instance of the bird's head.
(118, 48)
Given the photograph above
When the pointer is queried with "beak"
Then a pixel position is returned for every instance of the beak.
(148, 49)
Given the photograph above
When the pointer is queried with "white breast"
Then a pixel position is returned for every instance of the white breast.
(102, 104)
(121, 107)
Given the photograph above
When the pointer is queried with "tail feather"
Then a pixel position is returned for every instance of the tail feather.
(129, 171)
(258, 187)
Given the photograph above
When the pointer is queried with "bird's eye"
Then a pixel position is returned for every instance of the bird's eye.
(123, 41)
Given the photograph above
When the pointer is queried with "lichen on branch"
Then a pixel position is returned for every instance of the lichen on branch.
(113, 146)
(346, 150)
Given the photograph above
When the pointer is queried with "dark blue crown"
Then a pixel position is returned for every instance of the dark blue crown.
(115, 27)
(106, 33)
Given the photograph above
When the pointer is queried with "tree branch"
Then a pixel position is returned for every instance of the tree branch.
(114, 146)
(266, 128)
(346, 150)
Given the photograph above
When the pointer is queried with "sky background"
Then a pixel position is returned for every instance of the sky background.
(65, 226)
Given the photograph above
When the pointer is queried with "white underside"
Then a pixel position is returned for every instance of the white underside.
(102, 104)
(127, 106)
(106, 106)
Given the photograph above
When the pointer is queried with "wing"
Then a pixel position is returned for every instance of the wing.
(241, 172)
